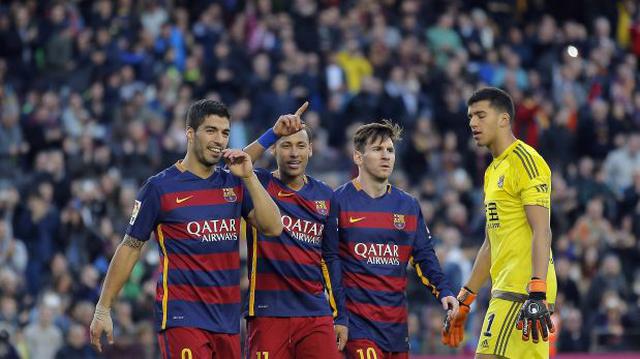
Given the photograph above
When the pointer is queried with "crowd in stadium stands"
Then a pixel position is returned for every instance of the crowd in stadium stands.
(93, 97)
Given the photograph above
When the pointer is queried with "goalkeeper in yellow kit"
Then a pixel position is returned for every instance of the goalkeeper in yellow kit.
(517, 248)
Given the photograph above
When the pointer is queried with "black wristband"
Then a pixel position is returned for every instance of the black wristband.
(538, 295)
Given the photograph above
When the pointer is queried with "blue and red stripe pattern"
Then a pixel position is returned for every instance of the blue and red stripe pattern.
(286, 273)
(196, 222)
(377, 238)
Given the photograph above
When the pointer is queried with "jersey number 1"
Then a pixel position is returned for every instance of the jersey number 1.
(487, 333)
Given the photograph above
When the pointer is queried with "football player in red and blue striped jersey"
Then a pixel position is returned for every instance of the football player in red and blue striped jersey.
(288, 313)
(194, 210)
(380, 231)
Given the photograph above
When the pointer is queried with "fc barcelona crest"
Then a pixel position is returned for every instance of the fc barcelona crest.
(321, 207)
(229, 195)
(398, 221)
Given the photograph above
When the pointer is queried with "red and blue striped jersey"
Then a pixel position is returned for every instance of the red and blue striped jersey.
(196, 222)
(378, 238)
(287, 273)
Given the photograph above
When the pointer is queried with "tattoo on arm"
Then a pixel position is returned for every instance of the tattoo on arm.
(132, 242)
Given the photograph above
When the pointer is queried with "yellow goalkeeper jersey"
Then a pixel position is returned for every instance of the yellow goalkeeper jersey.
(518, 177)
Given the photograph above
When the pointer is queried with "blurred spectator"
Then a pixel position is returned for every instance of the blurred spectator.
(77, 346)
(573, 337)
(44, 339)
(609, 278)
(567, 286)
(13, 252)
(621, 163)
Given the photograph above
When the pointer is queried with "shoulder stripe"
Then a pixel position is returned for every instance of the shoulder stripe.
(523, 163)
(533, 162)
(530, 157)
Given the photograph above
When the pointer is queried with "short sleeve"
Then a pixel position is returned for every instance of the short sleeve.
(534, 183)
(145, 212)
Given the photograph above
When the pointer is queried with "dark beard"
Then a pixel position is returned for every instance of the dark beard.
(199, 151)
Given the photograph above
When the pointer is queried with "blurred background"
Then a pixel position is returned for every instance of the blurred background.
(93, 96)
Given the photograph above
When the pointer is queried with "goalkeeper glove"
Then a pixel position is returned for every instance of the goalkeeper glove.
(453, 331)
(535, 319)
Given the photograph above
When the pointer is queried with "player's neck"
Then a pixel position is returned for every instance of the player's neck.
(373, 187)
(191, 164)
(501, 143)
(294, 182)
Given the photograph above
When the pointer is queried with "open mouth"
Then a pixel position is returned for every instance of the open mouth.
(215, 150)
(476, 134)
(294, 164)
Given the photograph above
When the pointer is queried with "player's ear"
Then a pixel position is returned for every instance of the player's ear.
(190, 134)
(310, 149)
(357, 157)
(505, 120)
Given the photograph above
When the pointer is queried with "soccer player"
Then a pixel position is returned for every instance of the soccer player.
(288, 313)
(194, 209)
(380, 231)
(516, 250)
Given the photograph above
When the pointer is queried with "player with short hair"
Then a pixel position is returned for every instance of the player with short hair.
(516, 252)
(194, 209)
(380, 229)
(288, 313)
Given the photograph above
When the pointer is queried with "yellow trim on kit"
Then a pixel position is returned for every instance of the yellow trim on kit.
(254, 267)
(424, 279)
(327, 279)
(165, 274)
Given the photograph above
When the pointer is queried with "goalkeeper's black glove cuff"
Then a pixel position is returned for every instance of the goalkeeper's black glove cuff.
(538, 296)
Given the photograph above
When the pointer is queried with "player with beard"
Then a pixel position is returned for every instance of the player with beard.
(288, 313)
(194, 209)
(380, 231)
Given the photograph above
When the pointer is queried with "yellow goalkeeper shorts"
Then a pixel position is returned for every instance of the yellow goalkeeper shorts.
(500, 337)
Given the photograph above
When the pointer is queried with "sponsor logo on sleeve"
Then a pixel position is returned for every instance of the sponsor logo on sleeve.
(134, 212)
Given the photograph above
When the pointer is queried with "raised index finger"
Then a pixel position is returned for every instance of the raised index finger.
(302, 109)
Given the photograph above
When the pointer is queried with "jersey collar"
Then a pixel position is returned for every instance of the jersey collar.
(505, 153)
(356, 183)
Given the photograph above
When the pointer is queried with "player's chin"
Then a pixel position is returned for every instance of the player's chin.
(212, 159)
(294, 172)
(385, 171)
(383, 175)
(480, 141)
